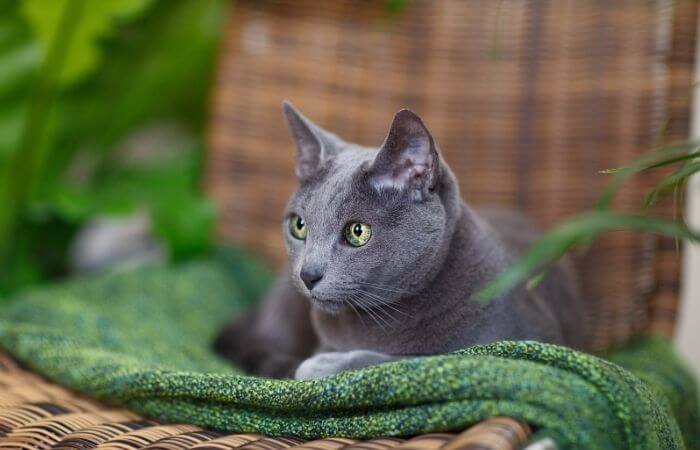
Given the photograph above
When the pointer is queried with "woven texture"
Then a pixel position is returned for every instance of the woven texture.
(90, 336)
(529, 101)
(35, 414)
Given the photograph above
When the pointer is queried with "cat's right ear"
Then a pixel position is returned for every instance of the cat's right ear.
(309, 141)
(408, 160)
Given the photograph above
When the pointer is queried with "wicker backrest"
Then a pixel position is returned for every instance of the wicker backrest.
(528, 100)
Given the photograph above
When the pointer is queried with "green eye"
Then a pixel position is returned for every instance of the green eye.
(357, 233)
(297, 227)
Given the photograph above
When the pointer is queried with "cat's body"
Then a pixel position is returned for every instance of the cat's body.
(443, 316)
(409, 289)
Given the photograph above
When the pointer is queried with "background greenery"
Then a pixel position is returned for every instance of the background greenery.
(79, 81)
(84, 82)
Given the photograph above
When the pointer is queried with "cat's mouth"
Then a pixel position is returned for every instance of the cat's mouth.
(326, 305)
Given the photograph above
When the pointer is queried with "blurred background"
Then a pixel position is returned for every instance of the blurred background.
(103, 108)
(143, 131)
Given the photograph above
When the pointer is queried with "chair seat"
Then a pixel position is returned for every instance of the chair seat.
(37, 414)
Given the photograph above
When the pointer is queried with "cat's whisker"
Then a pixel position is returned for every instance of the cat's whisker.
(383, 287)
(358, 303)
(374, 317)
(393, 307)
(354, 309)
(371, 308)
(383, 316)
(377, 309)
(376, 297)
(382, 303)
(368, 311)
(386, 315)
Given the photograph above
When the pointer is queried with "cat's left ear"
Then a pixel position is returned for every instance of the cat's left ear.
(408, 159)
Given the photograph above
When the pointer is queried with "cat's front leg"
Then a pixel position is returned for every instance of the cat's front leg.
(274, 337)
(332, 363)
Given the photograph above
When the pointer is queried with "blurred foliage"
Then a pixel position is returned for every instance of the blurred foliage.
(580, 231)
(93, 20)
(395, 6)
(83, 84)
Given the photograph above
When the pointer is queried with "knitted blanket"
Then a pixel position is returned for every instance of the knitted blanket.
(141, 339)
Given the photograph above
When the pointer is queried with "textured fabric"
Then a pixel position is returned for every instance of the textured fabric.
(141, 339)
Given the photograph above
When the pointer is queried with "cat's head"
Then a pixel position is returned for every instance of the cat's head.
(367, 226)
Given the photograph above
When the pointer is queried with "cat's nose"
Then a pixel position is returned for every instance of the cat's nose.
(311, 276)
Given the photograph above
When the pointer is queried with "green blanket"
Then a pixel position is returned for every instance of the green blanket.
(141, 339)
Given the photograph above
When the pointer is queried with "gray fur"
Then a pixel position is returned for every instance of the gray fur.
(331, 363)
(409, 290)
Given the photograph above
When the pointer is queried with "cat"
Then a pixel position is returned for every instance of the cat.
(384, 260)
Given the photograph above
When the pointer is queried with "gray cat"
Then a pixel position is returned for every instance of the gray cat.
(384, 259)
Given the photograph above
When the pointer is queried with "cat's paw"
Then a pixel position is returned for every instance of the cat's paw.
(333, 363)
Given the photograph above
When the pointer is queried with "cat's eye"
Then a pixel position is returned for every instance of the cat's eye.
(357, 233)
(297, 227)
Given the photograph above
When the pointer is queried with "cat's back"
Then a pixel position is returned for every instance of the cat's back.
(513, 227)
(560, 287)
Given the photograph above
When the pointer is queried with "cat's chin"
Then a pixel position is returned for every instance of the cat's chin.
(327, 306)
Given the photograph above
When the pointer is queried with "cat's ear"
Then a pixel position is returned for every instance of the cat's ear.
(408, 159)
(309, 140)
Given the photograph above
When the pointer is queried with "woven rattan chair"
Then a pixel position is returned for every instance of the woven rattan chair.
(529, 100)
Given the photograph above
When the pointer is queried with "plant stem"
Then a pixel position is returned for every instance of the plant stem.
(20, 175)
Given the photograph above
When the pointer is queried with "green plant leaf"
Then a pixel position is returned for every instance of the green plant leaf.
(96, 21)
(572, 232)
(166, 187)
(672, 182)
(101, 112)
(396, 6)
(79, 104)
(660, 157)
(186, 225)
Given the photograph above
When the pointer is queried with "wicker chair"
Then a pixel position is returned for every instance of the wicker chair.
(529, 100)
